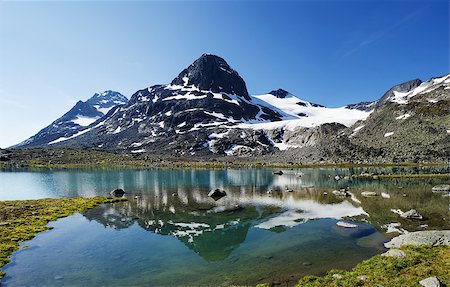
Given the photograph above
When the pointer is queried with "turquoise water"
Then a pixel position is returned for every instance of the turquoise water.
(188, 239)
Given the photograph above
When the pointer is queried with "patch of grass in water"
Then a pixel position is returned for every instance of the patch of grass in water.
(420, 263)
(21, 220)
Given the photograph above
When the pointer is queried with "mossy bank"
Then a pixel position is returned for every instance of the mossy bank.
(21, 220)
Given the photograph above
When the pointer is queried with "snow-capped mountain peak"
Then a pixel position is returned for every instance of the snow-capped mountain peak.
(77, 119)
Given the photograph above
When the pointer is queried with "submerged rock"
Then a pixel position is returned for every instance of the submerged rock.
(430, 282)
(346, 224)
(118, 192)
(426, 237)
(411, 214)
(217, 194)
(278, 172)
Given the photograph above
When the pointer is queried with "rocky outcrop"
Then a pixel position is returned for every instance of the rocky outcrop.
(429, 237)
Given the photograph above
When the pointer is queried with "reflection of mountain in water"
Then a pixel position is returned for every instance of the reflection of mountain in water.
(213, 229)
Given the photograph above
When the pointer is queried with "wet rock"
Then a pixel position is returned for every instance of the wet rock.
(368, 193)
(430, 282)
(346, 224)
(411, 214)
(426, 237)
(397, 253)
(442, 187)
(118, 192)
(217, 194)
(278, 172)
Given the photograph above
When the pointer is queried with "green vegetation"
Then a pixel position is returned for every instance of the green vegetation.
(21, 220)
(93, 158)
(420, 263)
(411, 175)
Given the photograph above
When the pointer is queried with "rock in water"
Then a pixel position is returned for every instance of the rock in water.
(278, 172)
(430, 282)
(118, 192)
(346, 224)
(442, 187)
(368, 193)
(217, 194)
(411, 214)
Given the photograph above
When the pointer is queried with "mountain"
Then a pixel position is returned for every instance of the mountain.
(411, 122)
(77, 119)
(208, 110)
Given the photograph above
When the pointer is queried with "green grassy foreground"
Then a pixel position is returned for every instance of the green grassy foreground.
(420, 263)
(21, 220)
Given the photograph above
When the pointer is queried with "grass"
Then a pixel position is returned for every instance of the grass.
(21, 220)
(420, 263)
(411, 175)
(92, 158)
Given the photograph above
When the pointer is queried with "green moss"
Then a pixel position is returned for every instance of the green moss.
(420, 263)
(21, 220)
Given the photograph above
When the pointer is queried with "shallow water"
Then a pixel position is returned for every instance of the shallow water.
(189, 239)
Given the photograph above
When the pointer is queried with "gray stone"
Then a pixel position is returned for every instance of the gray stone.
(4, 223)
(442, 187)
(117, 192)
(340, 193)
(426, 237)
(411, 214)
(430, 282)
(397, 253)
(217, 194)
(337, 276)
(368, 193)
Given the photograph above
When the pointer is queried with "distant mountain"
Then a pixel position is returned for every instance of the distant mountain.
(77, 119)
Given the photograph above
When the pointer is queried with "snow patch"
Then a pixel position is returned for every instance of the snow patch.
(403, 117)
(84, 121)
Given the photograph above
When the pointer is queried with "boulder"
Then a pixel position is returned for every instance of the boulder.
(430, 282)
(368, 193)
(118, 192)
(426, 237)
(397, 253)
(411, 214)
(442, 187)
(341, 193)
(337, 177)
(385, 195)
(217, 194)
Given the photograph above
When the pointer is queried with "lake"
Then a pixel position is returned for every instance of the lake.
(269, 228)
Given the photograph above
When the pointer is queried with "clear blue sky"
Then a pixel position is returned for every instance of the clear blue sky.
(329, 52)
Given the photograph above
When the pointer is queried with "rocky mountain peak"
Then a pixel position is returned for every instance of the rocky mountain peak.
(402, 88)
(212, 73)
(280, 93)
